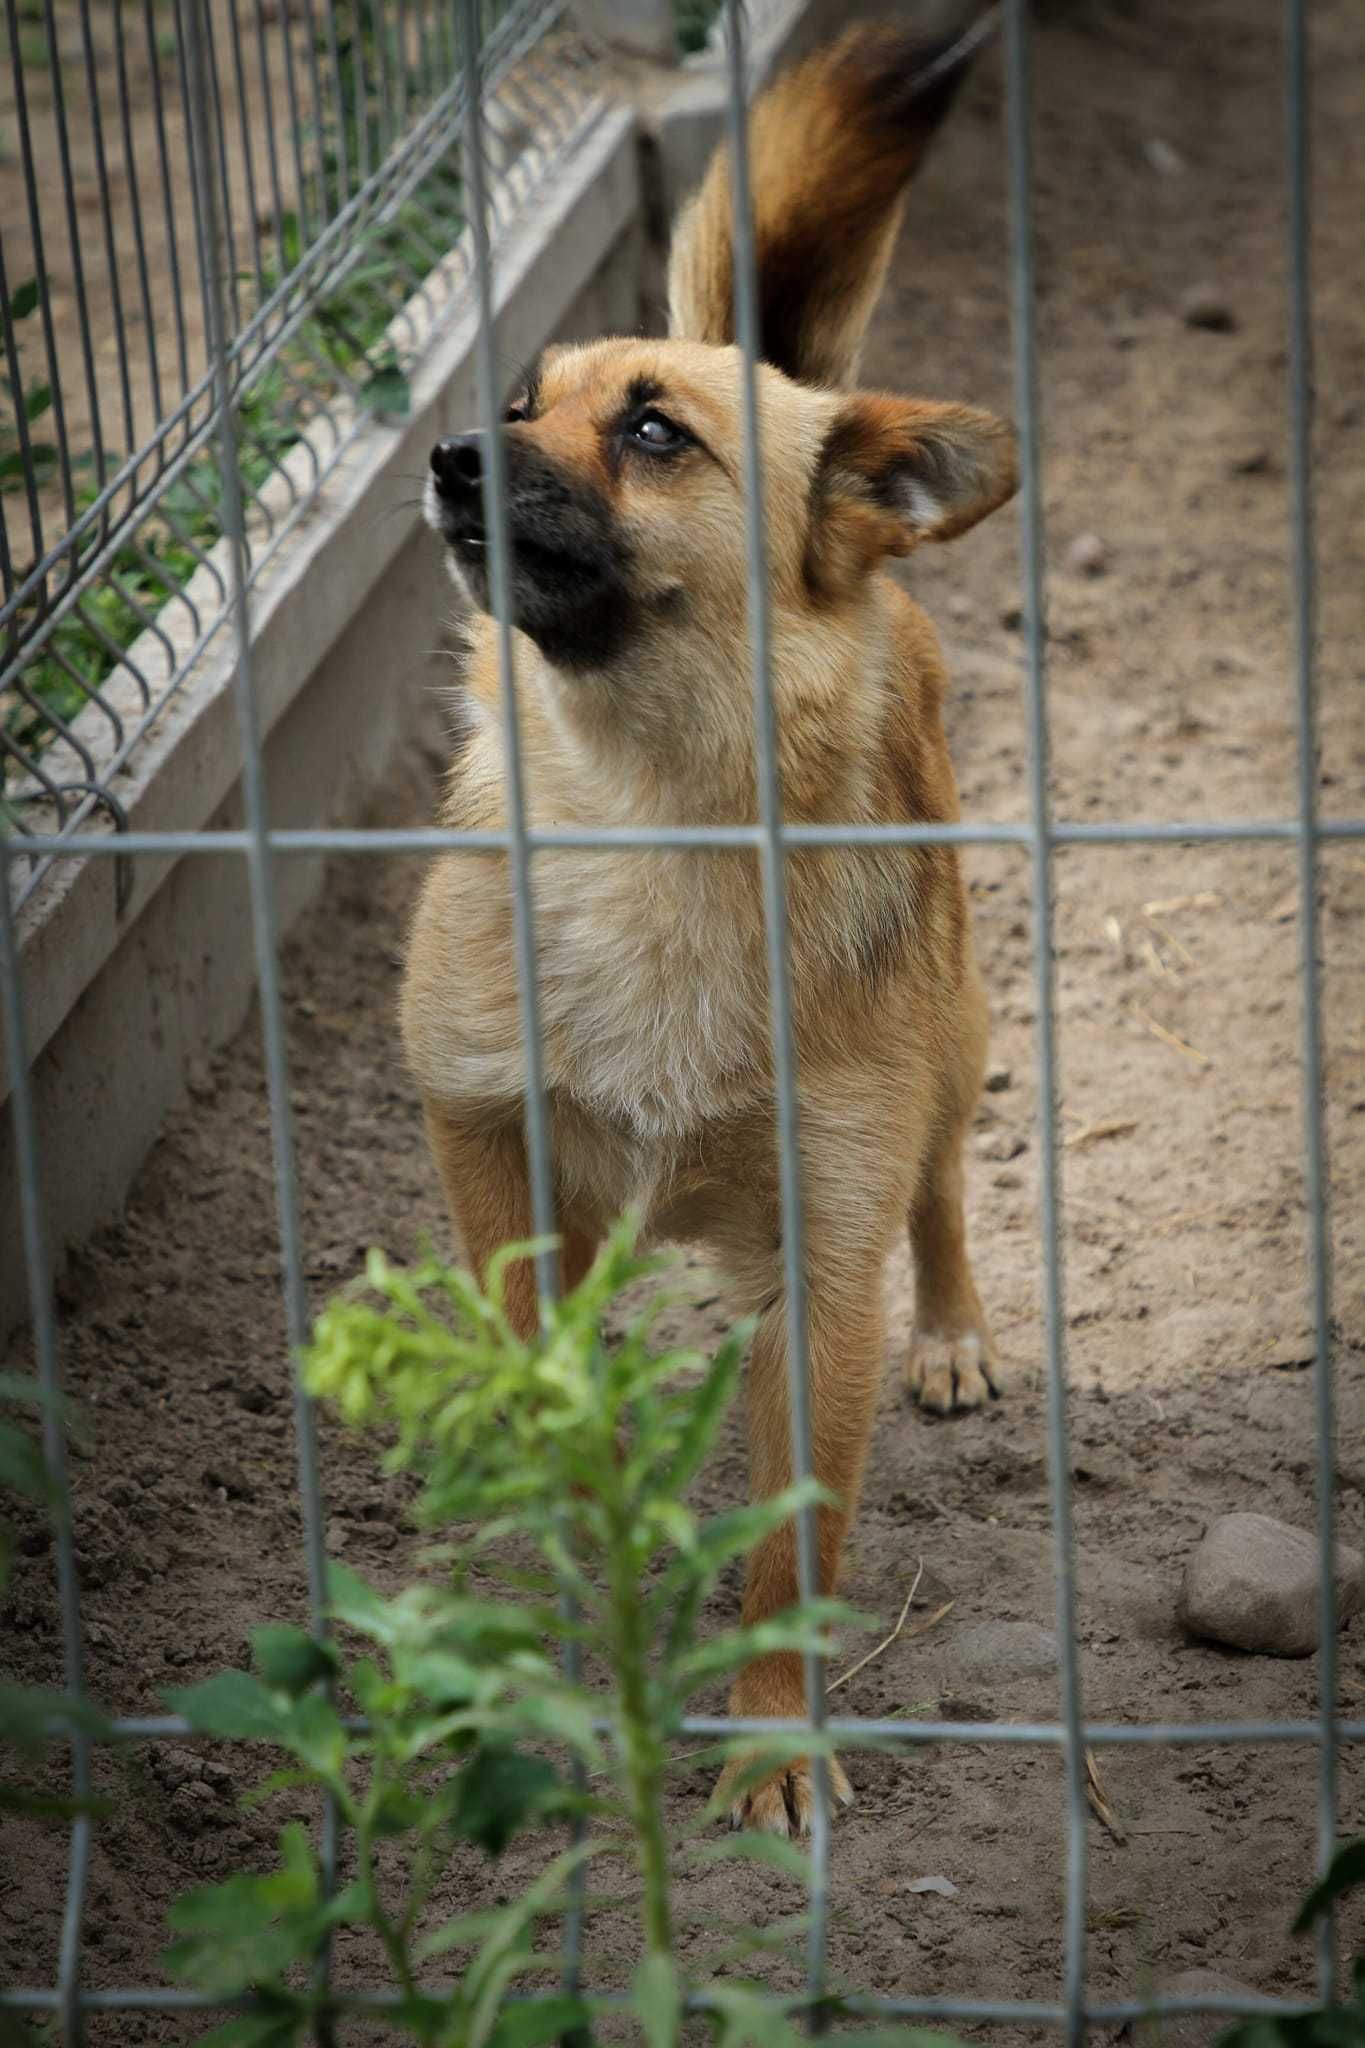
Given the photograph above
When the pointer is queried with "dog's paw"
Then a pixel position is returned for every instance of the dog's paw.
(948, 1373)
(783, 1803)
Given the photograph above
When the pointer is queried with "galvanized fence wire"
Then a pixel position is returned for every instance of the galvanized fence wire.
(335, 132)
(771, 838)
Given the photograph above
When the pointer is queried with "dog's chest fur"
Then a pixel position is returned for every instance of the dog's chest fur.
(653, 986)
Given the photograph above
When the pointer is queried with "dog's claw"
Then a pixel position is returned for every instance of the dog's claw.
(785, 1803)
(948, 1373)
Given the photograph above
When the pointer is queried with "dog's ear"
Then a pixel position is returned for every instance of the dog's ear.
(832, 146)
(893, 472)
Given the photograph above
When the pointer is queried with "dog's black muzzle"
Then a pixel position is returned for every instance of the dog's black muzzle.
(568, 563)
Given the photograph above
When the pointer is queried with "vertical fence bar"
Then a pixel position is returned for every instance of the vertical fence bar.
(538, 1138)
(40, 272)
(1019, 98)
(130, 165)
(167, 199)
(265, 932)
(1299, 228)
(96, 118)
(54, 1453)
(500, 591)
(773, 862)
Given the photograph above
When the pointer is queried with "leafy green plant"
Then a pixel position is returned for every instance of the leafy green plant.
(1334, 2026)
(694, 19)
(28, 1713)
(341, 345)
(575, 1454)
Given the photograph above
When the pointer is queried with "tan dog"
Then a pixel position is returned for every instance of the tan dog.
(626, 523)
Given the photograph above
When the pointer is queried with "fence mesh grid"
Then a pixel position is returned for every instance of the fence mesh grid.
(463, 54)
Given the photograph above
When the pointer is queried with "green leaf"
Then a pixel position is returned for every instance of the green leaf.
(50, 1805)
(499, 1792)
(234, 1705)
(536, 2020)
(37, 399)
(240, 1934)
(313, 1731)
(388, 391)
(29, 1716)
(899, 2037)
(24, 298)
(1262, 2033)
(290, 1660)
(497, 1928)
(658, 1999)
(351, 1601)
(1343, 1874)
(277, 2027)
(443, 1677)
(22, 1466)
(42, 458)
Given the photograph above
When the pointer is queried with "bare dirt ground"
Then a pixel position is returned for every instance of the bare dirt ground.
(1184, 1224)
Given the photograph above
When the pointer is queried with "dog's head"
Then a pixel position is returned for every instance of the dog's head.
(625, 510)
(624, 459)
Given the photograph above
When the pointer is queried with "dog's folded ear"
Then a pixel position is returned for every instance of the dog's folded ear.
(893, 472)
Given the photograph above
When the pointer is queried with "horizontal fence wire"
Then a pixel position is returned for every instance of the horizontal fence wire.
(668, 838)
(278, 224)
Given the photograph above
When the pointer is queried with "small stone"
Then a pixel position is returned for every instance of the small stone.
(1001, 1146)
(1253, 1583)
(942, 1887)
(1163, 157)
(230, 1479)
(998, 1079)
(959, 605)
(1206, 307)
(1087, 555)
(1192, 2029)
(1007, 1649)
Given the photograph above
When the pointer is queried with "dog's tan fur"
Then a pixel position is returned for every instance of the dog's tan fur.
(652, 974)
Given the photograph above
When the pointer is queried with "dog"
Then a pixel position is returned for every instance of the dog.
(628, 576)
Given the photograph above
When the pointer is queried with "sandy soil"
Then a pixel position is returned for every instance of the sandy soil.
(1185, 1227)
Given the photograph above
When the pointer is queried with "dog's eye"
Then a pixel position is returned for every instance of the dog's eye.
(655, 432)
(514, 414)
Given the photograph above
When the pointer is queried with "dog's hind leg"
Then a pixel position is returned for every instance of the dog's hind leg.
(952, 1362)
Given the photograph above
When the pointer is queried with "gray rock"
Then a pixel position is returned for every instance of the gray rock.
(1007, 1649)
(1191, 2029)
(1163, 157)
(1253, 1582)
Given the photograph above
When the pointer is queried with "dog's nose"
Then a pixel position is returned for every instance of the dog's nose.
(457, 464)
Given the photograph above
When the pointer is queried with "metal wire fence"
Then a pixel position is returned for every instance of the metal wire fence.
(462, 62)
(333, 128)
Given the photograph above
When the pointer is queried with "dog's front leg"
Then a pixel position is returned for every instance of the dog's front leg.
(482, 1163)
(846, 1348)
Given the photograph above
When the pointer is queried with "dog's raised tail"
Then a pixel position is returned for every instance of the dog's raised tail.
(832, 146)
